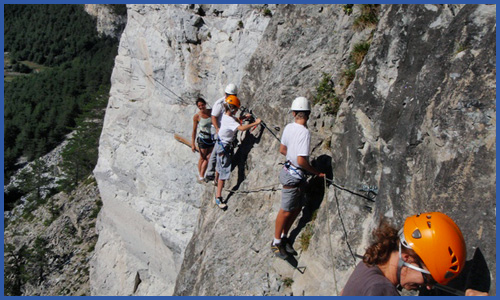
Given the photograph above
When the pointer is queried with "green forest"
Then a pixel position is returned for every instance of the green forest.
(44, 105)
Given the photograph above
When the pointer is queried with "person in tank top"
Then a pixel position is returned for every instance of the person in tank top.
(202, 123)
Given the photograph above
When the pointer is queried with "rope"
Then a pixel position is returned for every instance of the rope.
(330, 232)
(267, 188)
(246, 110)
(348, 190)
(330, 238)
(178, 98)
(343, 226)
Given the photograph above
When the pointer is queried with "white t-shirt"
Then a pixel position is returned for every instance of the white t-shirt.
(218, 110)
(228, 128)
(296, 138)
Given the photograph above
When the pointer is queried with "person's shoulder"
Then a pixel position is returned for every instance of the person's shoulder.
(378, 285)
(300, 129)
(380, 289)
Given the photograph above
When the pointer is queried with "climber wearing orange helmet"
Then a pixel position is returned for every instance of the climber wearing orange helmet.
(428, 250)
(217, 112)
(223, 148)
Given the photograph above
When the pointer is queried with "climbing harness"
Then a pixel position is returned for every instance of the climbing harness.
(227, 149)
(291, 168)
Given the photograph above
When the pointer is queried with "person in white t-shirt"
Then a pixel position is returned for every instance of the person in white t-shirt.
(223, 149)
(217, 112)
(294, 145)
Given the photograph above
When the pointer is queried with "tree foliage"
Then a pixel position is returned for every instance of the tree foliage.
(26, 265)
(325, 94)
(15, 273)
(81, 153)
(40, 109)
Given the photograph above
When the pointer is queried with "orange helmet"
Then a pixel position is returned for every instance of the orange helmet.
(232, 99)
(438, 242)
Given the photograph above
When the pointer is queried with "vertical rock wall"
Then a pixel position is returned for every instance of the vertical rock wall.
(418, 122)
(168, 55)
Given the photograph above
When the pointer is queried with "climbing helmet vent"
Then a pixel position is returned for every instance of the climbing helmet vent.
(429, 224)
(455, 268)
(416, 234)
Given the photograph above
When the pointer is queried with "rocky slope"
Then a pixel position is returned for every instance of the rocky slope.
(67, 223)
(48, 244)
(418, 123)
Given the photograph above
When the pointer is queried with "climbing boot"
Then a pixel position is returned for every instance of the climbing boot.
(219, 203)
(288, 246)
(279, 250)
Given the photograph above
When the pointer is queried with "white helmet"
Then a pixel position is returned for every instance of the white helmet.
(231, 89)
(301, 104)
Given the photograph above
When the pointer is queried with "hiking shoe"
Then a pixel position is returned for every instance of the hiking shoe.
(288, 246)
(279, 250)
(219, 203)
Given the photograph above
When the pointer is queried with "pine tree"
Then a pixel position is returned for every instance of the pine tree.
(81, 153)
(15, 275)
(35, 180)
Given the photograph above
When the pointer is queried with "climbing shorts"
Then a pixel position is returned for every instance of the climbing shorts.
(292, 194)
(224, 157)
(205, 143)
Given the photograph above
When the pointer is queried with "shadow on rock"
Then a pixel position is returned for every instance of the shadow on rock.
(241, 156)
(315, 191)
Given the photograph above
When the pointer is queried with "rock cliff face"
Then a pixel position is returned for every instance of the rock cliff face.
(108, 21)
(418, 123)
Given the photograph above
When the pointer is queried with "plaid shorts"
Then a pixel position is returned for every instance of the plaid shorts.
(224, 157)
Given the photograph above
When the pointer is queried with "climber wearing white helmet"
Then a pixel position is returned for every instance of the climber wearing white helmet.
(295, 143)
(217, 112)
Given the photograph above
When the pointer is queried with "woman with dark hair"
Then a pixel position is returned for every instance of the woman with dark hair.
(429, 249)
(203, 121)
